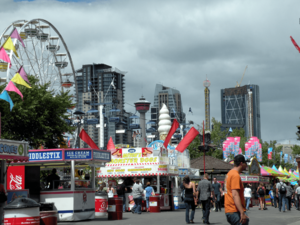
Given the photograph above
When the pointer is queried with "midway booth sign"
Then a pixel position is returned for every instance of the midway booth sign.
(73, 194)
(12, 151)
(146, 164)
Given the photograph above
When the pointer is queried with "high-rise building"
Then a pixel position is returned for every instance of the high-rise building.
(240, 108)
(172, 99)
(98, 83)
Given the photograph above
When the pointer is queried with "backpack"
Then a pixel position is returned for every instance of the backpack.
(282, 189)
(261, 191)
(120, 189)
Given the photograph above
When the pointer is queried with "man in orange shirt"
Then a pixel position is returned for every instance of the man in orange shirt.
(235, 207)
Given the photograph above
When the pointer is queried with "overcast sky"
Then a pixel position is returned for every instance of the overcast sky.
(178, 43)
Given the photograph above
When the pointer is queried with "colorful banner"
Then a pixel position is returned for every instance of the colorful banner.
(281, 156)
(253, 147)
(12, 87)
(4, 56)
(9, 45)
(15, 178)
(231, 146)
(270, 150)
(286, 157)
(15, 34)
(19, 80)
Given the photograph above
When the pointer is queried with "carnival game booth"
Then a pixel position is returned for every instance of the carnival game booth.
(73, 193)
(146, 164)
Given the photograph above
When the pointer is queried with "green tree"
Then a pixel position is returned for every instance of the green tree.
(217, 138)
(39, 118)
(275, 156)
(296, 150)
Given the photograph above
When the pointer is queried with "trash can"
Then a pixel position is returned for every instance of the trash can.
(48, 213)
(154, 204)
(115, 209)
(101, 201)
(22, 211)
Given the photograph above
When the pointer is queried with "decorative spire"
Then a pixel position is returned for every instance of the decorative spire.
(164, 124)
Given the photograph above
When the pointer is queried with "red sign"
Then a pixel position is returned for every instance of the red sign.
(15, 178)
(270, 155)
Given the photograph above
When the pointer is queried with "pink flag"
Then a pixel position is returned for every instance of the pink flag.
(4, 56)
(23, 74)
(15, 34)
(12, 87)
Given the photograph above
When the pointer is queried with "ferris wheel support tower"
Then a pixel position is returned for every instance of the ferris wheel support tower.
(206, 84)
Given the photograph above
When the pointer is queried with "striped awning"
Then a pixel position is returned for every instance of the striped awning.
(136, 175)
(10, 158)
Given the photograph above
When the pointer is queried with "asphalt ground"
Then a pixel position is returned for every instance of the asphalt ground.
(271, 216)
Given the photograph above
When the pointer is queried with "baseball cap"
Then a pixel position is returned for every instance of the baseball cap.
(120, 181)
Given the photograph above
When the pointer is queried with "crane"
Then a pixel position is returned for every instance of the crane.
(239, 84)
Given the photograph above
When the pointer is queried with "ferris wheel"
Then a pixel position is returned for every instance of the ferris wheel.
(41, 52)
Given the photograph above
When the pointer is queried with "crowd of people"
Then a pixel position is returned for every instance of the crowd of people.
(237, 196)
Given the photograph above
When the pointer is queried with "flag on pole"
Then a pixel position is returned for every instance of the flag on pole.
(23, 74)
(190, 110)
(270, 150)
(286, 156)
(12, 87)
(68, 141)
(188, 138)
(4, 56)
(15, 34)
(174, 127)
(9, 45)
(86, 138)
(19, 80)
(4, 95)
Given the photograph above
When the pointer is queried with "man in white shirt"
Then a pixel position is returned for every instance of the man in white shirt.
(281, 194)
(247, 195)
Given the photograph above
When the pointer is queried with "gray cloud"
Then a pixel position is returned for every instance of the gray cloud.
(178, 42)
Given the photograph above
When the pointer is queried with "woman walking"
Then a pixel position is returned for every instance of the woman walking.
(190, 192)
(247, 195)
(261, 192)
(149, 192)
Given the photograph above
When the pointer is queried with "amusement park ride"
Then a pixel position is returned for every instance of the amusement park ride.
(42, 52)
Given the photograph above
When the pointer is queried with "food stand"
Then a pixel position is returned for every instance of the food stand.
(146, 164)
(12, 151)
(73, 198)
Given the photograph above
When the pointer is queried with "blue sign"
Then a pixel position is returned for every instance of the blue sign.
(78, 154)
(102, 155)
(131, 150)
(45, 156)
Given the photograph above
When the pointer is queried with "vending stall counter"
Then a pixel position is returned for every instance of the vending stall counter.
(146, 164)
(73, 195)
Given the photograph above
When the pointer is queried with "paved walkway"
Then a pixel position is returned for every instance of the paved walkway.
(257, 217)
